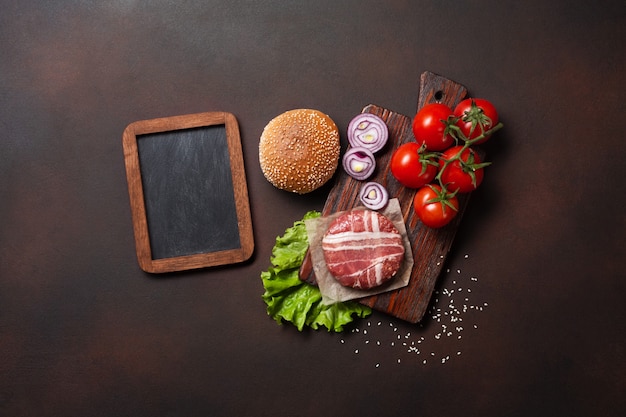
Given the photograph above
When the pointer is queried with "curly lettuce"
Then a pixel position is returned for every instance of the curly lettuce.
(292, 300)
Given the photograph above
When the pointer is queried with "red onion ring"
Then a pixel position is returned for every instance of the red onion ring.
(373, 195)
(369, 131)
(359, 163)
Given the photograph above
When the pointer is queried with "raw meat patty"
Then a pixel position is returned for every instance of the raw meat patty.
(362, 249)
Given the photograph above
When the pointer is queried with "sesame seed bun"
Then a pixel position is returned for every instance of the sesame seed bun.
(299, 150)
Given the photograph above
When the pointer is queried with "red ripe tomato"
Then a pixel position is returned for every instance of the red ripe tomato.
(463, 172)
(411, 167)
(475, 116)
(429, 127)
(434, 206)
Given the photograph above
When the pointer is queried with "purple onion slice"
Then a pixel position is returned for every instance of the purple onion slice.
(373, 195)
(359, 163)
(369, 131)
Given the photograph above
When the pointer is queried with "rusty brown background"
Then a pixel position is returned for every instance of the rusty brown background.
(84, 332)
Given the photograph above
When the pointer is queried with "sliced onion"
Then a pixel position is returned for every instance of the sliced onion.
(369, 131)
(359, 163)
(374, 196)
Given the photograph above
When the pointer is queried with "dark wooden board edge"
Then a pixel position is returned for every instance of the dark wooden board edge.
(137, 202)
(430, 246)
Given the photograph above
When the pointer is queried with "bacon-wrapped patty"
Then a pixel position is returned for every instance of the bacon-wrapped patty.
(363, 249)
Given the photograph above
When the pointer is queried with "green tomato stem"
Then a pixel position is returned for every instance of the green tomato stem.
(466, 144)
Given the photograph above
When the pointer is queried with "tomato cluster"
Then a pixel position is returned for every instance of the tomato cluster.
(443, 161)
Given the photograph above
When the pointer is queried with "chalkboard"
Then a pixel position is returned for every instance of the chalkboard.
(188, 192)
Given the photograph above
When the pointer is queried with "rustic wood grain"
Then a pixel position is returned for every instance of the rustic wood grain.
(138, 205)
(430, 246)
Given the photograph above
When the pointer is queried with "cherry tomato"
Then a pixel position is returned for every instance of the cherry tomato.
(412, 167)
(465, 171)
(429, 127)
(476, 115)
(434, 206)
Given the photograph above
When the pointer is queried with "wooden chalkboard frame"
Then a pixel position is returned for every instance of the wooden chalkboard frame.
(138, 203)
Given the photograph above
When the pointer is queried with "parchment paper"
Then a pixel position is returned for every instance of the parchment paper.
(332, 291)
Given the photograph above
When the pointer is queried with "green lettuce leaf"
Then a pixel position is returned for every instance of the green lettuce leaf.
(292, 300)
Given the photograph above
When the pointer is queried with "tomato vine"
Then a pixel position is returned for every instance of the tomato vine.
(460, 168)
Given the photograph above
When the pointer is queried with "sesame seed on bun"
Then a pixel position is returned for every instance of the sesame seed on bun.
(299, 150)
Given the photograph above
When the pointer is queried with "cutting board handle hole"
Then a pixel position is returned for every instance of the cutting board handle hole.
(438, 95)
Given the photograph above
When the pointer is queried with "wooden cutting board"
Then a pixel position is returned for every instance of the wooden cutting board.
(430, 246)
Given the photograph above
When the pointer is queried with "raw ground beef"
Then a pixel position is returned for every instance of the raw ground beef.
(362, 249)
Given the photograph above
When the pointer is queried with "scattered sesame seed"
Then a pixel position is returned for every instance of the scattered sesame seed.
(443, 311)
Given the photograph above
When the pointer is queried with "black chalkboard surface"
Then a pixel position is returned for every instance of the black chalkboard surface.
(188, 192)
